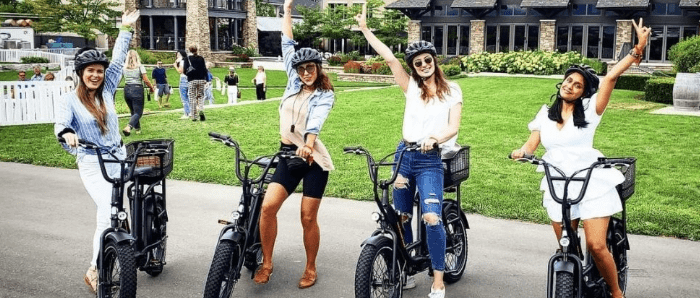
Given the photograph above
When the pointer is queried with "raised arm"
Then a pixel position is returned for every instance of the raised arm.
(399, 72)
(608, 83)
(287, 19)
(113, 73)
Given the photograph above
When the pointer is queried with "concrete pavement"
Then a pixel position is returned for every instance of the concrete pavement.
(47, 221)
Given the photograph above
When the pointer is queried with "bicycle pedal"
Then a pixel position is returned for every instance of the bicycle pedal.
(225, 222)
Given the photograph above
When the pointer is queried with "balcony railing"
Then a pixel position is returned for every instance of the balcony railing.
(163, 3)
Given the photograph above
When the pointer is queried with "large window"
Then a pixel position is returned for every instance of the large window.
(464, 40)
(438, 37)
(504, 38)
(491, 38)
(426, 33)
(690, 31)
(592, 41)
(533, 37)
(663, 38)
(452, 40)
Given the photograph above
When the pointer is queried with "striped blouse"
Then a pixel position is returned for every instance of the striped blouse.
(72, 114)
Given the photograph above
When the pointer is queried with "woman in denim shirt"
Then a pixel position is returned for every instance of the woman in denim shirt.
(88, 113)
(305, 105)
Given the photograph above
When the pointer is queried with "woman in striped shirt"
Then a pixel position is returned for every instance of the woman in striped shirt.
(88, 113)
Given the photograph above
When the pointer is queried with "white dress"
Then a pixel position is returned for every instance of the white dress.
(571, 149)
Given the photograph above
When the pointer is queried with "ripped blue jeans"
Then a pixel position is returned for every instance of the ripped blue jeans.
(422, 170)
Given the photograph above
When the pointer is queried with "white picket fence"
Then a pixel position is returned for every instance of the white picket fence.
(30, 102)
(16, 56)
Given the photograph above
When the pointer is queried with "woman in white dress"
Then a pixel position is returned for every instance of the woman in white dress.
(566, 130)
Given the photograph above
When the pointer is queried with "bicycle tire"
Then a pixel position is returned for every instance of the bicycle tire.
(372, 278)
(220, 280)
(564, 285)
(619, 253)
(156, 225)
(456, 244)
(120, 267)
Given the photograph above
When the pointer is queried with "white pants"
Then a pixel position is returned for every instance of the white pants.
(101, 192)
(232, 94)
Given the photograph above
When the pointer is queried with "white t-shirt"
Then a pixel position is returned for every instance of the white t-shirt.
(422, 120)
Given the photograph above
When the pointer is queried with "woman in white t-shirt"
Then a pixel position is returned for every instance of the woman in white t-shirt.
(431, 117)
(134, 76)
(566, 130)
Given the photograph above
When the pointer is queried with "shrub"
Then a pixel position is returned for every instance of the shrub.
(146, 56)
(451, 70)
(375, 59)
(601, 67)
(659, 89)
(241, 58)
(526, 62)
(28, 60)
(250, 52)
(335, 61)
(400, 55)
(632, 82)
(237, 50)
(352, 67)
(686, 55)
(355, 56)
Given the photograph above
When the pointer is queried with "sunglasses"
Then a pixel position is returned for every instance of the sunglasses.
(310, 69)
(418, 63)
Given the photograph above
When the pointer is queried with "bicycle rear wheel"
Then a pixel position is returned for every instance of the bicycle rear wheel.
(619, 253)
(222, 273)
(156, 230)
(119, 268)
(457, 247)
(373, 273)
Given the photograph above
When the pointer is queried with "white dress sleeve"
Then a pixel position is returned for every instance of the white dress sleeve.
(455, 94)
(590, 105)
(540, 118)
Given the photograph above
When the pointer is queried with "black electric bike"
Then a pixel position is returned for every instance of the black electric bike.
(239, 241)
(570, 273)
(386, 260)
(125, 247)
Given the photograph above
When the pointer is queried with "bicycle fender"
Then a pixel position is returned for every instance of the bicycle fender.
(119, 236)
(446, 204)
(564, 266)
(231, 235)
(373, 240)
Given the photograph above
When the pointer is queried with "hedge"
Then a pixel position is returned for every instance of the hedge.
(659, 89)
(451, 70)
(34, 60)
(632, 82)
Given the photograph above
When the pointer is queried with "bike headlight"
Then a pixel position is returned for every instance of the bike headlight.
(375, 216)
(241, 208)
(235, 215)
(115, 210)
(564, 241)
(121, 215)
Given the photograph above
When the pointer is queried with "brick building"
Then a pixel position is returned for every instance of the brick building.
(594, 28)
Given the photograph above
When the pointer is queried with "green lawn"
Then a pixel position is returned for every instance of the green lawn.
(494, 121)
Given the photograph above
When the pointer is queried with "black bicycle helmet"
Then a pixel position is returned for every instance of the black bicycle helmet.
(419, 47)
(87, 56)
(589, 75)
(304, 55)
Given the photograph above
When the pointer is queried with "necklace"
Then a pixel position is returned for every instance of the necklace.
(301, 93)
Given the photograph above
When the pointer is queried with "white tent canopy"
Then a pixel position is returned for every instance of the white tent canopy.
(270, 24)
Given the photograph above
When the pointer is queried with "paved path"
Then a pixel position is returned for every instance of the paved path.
(47, 221)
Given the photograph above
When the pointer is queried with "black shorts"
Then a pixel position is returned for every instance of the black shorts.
(290, 172)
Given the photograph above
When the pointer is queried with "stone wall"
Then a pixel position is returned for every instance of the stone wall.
(476, 36)
(548, 36)
(198, 27)
(357, 77)
(413, 29)
(623, 34)
(250, 26)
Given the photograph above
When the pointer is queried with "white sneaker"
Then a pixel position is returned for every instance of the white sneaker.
(410, 282)
(436, 293)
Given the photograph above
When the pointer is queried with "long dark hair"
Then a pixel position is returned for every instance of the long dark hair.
(322, 82)
(442, 87)
(578, 114)
(96, 107)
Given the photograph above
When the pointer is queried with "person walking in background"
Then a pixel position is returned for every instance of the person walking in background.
(260, 82)
(49, 76)
(179, 64)
(37, 74)
(231, 81)
(197, 81)
(161, 80)
(88, 113)
(134, 75)
(208, 91)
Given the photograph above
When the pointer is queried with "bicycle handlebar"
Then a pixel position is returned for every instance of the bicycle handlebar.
(129, 160)
(373, 166)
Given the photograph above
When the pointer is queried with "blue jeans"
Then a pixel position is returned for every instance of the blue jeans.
(425, 171)
(183, 95)
(133, 95)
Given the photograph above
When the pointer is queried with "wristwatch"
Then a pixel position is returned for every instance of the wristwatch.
(633, 53)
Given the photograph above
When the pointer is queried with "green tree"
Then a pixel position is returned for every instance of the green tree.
(388, 25)
(84, 17)
(264, 9)
(306, 32)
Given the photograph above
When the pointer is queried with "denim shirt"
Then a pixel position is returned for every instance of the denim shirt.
(72, 114)
(320, 102)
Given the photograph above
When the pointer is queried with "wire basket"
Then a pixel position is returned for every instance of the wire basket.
(456, 168)
(626, 188)
(162, 162)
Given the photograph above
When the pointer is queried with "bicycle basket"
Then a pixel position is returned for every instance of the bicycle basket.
(161, 162)
(457, 167)
(626, 188)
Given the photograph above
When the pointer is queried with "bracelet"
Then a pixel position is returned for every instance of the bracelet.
(636, 53)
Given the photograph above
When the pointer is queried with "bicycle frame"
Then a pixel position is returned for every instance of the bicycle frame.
(570, 258)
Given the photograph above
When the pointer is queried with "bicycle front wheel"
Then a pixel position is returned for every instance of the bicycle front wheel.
(373, 273)
(222, 273)
(119, 267)
(564, 285)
